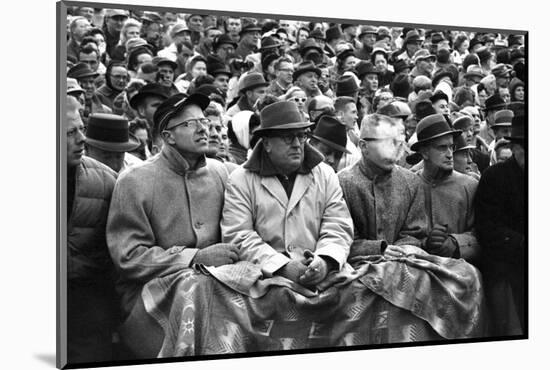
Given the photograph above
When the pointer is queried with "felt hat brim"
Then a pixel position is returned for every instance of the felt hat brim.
(331, 144)
(132, 144)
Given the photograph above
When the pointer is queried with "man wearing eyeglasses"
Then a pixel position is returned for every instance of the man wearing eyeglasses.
(284, 206)
(165, 215)
(449, 195)
(90, 289)
(283, 77)
(385, 200)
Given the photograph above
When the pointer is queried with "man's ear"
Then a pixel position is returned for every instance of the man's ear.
(141, 110)
(267, 144)
(423, 150)
(168, 137)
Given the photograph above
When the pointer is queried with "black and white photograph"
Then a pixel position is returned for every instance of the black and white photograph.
(239, 183)
(302, 187)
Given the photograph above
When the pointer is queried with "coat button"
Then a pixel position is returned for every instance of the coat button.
(198, 225)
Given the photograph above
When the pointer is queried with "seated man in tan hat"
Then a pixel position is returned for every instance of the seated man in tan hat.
(108, 140)
(252, 87)
(449, 195)
(165, 216)
(285, 206)
(330, 138)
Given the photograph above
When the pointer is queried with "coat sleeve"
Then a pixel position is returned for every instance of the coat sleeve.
(130, 237)
(336, 233)
(467, 241)
(413, 231)
(237, 226)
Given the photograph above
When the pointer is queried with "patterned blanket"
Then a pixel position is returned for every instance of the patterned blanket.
(231, 309)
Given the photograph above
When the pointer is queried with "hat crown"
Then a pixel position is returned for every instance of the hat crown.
(251, 80)
(432, 126)
(365, 67)
(80, 70)
(279, 114)
(109, 128)
(346, 85)
(504, 116)
(463, 122)
(330, 129)
(269, 42)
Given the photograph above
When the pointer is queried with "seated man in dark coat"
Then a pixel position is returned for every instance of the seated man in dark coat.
(500, 223)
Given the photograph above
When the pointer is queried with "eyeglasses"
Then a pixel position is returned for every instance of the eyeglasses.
(299, 100)
(287, 70)
(289, 138)
(192, 123)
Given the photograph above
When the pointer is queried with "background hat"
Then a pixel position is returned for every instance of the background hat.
(110, 132)
(73, 86)
(432, 127)
(347, 25)
(151, 89)
(250, 27)
(309, 44)
(503, 118)
(215, 68)
(208, 89)
(484, 54)
(494, 102)
(342, 55)
(400, 65)
(283, 115)
(160, 60)
(135, 43)
(501, 70)
(518, 128)
(114, 12)
(177, 28)
(422, 82)
(346, 86)
(304, 67)
(333, 33)
(412, 36)
(152, 17)
(269, 43)
(365, 67)
(463, 122)
(332, 133)
(423, 108)
(81, 70)
(383, 32)
(251, 81)
(368, 30)
(423, 54)
(317, 34)
(175, 104)
(461, 144)
(224, 39)
(474, 71)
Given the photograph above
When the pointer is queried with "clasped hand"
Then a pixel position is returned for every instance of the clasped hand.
(217, 255)
(309, 271)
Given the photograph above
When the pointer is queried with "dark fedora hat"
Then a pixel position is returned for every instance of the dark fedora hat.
(365, 67)
(518, 128)
(309, 44)
(81, 70)
(269, 43)
(251, 81)
(283, 115)
(110, 132)
(151, 89)
(502, 70)
(483, 53)
(317, 34)
(215, 68)
(152, 17)
(346, 86)
(344, 54)
(175, 104)
(423, 54)
(250, 27)
(304, 67)
(332, 133)
(400, 65)
(364, 30)
(223, 39)
(422, 108)
(432, 127)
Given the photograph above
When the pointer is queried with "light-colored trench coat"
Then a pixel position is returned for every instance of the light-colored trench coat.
(272, 228)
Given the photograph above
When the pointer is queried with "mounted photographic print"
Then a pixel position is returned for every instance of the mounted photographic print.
(240, 184)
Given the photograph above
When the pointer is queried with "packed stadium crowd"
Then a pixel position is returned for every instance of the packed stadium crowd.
(240, 184)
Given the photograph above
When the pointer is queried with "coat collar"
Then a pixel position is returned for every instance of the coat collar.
(177, 162)
(260, 163)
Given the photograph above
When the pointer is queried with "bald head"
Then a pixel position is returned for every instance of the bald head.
(319, 105)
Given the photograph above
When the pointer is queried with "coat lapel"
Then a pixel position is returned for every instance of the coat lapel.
(274, 187)
(302, 183)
